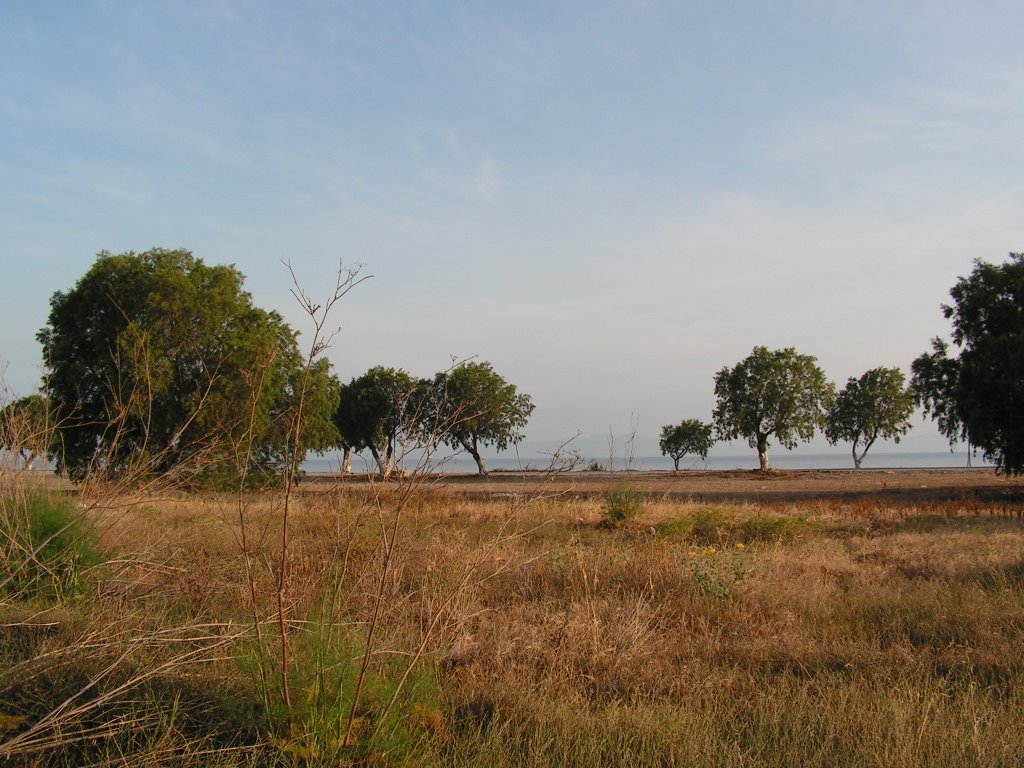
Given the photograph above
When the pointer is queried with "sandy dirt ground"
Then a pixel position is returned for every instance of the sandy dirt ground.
(738, 485)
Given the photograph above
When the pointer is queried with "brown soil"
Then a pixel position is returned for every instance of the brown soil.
(740, 485)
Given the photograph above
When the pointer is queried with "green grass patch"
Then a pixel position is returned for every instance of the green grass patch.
(393, 716)
(720, 526)
(46, 545)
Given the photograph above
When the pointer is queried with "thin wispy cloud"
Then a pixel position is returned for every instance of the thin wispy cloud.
(609, 201)
(488, 180)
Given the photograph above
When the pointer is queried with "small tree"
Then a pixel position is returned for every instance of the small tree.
(979, 395)
(771, 392)
(691, 436)
(877, 405)
(471, 407)
(374, 412)
(26, 428)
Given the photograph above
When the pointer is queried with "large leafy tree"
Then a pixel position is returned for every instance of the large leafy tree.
(690, 436)
(778, 393)
(877, 405)
(159, 362)
(978, 396)
(471, 407)
(375, 411)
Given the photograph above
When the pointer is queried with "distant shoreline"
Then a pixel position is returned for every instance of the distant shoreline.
(970, 485)
(780, 460)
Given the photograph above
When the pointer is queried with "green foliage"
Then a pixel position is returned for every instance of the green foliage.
(774, 528)
(934, 377)
(26, 428)
(717, 526)
(622, 504)
(716, 572)
(471, 407)
(157, 361)
(375, 410)
(690, 436)
(328, 728)
(877, 405)
(323, 394)
(45, 546)
(979, 396)
(772, 392)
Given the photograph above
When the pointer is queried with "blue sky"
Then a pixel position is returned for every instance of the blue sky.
(607, 200)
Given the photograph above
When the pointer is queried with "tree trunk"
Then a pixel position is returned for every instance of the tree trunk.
(471, 449)
(479, 461)
(858, 459)
(762, 452)
(381, 464)
(346, 460)
(675, 460)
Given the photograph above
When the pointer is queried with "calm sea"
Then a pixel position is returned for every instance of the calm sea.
(461, 464)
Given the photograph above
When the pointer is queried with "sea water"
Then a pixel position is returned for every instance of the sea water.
(779, 459)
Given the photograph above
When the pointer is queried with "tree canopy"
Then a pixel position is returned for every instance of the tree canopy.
(877, 405)
(978, 395)
(159, 362)
(26, 429)
(776, 393)
(374, 411)
(472, 406)
(690, 436)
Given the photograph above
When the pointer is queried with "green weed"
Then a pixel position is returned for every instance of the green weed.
(621, 504)
(718, 526)
(46, 544)
(716, 572)
(326, 726)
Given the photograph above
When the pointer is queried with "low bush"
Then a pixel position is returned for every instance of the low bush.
(719, 526)
(622, 504)
(46, 544)
(342, 713)
(716, 572)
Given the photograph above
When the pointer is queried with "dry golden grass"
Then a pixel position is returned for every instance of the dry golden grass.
(818, 633)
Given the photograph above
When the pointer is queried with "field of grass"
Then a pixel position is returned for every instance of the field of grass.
(410, 624)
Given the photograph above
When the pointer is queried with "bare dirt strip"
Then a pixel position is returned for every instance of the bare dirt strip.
(906, 485)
